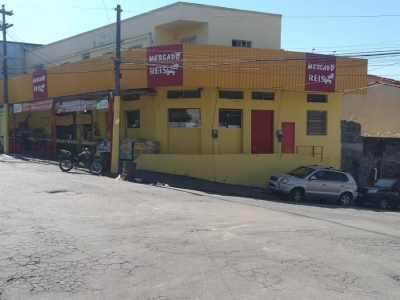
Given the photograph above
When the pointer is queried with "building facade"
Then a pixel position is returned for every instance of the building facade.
(377, 111)
(219, 112)
(16, 60)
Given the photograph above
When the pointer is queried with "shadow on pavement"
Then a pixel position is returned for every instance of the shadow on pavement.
(333, 205)
(191, 184)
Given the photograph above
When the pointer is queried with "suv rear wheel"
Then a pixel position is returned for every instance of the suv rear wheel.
(345, 199)
(296, 195)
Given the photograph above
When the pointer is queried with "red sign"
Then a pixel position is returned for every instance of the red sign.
(320, 72)
(165, 66)
(39, 80)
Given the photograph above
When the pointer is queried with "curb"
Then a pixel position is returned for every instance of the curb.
(50, 162)
(11, 155)
(251, 192)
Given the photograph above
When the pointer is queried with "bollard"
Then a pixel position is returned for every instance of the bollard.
(128, 171)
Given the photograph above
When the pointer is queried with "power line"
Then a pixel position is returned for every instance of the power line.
(106, 12)
(343, 16)
(373, 55)
(356, 45)
(59, 7)
(220, 15)
(50, 62)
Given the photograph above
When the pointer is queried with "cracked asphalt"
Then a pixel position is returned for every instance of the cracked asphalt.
(78, 236)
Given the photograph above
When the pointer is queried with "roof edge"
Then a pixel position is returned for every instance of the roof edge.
(152, 11)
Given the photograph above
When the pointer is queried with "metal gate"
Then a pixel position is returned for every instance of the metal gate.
(262, 124)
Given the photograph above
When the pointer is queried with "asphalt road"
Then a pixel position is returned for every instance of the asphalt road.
(78, 236)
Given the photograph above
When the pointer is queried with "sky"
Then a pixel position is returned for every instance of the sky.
(368, 29)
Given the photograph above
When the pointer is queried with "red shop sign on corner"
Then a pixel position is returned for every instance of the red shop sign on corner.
(320, 72)
(165, 66)
(39, 81)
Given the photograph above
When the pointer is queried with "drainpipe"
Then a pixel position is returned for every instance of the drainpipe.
(376, 173)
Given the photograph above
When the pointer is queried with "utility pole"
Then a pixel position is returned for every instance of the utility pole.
(4, 26)
(117, 96)
(117, 60)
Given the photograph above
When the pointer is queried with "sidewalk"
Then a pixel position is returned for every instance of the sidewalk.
(179, 181)
(185, 182)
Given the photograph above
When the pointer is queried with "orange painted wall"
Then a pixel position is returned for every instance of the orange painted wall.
(351, 75)
(204, 66)
(247, 68)
(236, 67)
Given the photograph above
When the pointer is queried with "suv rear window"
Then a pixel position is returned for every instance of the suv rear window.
(335, 176)
(331, 176)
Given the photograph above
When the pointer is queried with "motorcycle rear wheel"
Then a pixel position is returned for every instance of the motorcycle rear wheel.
(95, 168)
(66, 165)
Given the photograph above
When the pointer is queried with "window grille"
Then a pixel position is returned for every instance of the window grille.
(184, 94)
(184, 118)
(262, 96)
(241, 43)
(230, 118)
(85, 56)
(316, 122)
(317, 98)
(231, 94)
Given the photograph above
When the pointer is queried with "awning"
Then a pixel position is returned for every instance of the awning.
(77, 102)
(75, 105)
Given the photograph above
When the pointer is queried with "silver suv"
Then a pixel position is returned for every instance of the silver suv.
(315, 182)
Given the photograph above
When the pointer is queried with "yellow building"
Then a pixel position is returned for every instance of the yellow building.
(220, 113)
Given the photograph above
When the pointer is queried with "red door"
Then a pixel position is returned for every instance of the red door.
(262, 131)
(288, 137)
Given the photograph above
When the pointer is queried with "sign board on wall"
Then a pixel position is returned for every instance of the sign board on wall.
(17, 108)
(33, 106)
(165, 66)
(76, 105)
(39, 81)
(101, 103)
(320, 72)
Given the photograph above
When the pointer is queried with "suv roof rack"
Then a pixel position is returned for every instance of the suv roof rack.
(332, 168)
(326, 168)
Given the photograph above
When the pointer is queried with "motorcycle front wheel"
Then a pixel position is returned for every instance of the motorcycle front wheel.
(95, 168)
(66, 165)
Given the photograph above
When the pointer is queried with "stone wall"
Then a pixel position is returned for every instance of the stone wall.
(360, 155)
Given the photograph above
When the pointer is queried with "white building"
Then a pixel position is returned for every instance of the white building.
(180, 22)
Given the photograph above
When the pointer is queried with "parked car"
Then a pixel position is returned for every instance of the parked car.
(384, 193)
(315, 182)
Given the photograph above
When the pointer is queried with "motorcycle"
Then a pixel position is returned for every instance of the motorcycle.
(85, 159)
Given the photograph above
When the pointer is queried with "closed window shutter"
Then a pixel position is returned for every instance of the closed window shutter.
(316, 122)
